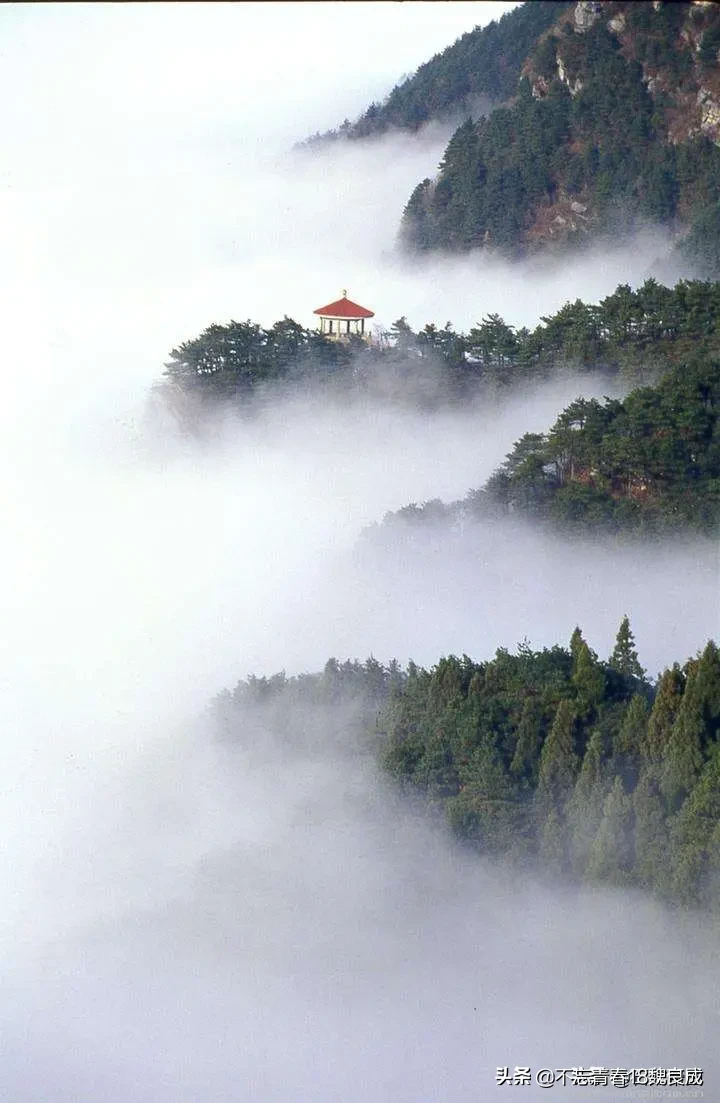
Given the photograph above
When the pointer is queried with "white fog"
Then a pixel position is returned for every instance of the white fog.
(185, 923)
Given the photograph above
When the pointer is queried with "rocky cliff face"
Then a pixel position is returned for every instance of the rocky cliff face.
(682, 78)
(616, 121)
(586, 13)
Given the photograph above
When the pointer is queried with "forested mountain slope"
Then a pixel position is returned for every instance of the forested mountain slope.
(549, 758)
(482, 67)
(635, 334)
(614, 121)
(650, 463)
(646, 465)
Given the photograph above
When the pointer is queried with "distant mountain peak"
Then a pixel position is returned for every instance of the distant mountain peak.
(614, 123)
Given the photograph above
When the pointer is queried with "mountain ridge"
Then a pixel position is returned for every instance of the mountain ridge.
(596, 117)
(482, 65)
(615, 124)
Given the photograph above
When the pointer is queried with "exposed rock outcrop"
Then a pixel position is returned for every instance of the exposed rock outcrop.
(616, 86)
(709, 114)
(587, 12)
(573, 86)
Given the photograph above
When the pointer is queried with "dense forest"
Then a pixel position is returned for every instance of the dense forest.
(635, 334)
(482, 67)
(552, 758)
(575, 120)
(595, 118)
(648, 465)
(614, 124)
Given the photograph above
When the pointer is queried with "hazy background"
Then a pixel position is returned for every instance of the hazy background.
(177, 925)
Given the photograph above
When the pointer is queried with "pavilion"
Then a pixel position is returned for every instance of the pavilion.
(343, 319)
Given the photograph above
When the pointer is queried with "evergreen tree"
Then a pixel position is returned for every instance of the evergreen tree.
(611, 854)
(630, 739)
(452, 734)
(576, 642)
(558, 760)
(707, 688)
(682, 759)
(589, 680)
(403, 335)
(624, 658)
(585, 809)
(651, 835)
(486, 810)
(663, 715)
(694, 837)
(711, 882)
(525, 762)
(553, 843)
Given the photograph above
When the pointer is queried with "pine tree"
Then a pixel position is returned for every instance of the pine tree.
(611, 853)
(558, 760)
(585, 808)
(683, 759)
(624, 658)
(402, 334)
(576, 642)
(486, 809)
(396, 678)
(663, 715)
(629, 740)
(694, 836)
(711, 886)
(589, 680)
(707, 687)
(556, 778)
(651, 835)
(526, 758)
(553, 843)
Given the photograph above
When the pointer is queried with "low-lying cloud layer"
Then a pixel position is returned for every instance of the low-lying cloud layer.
(184, 921)
(268, 924)
(179, 922)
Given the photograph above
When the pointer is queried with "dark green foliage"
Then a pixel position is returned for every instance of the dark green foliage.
(585, 808)
(651, 835)
(662, 718)
(483, 65)
(646, 464)
(611, 854)
(694, 853)
(593, 120)
(710, 45)
(534, 772)
(655, 324)
(230, 360)
(492, 177)
(558, 760)
(553, 850)
(576, 642)
(630, 740)
(682, 758)
(525, 763)
(588, 680)
(624, 658)
(519, 767)
(487, 809)
(707, 689)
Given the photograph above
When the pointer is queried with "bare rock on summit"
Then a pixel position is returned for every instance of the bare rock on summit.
(587, 12)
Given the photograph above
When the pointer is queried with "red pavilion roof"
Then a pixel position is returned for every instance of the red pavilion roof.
(344, 308)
